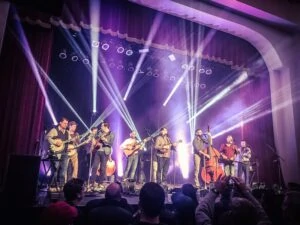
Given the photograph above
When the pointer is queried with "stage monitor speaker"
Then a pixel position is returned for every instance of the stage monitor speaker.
(22, 179)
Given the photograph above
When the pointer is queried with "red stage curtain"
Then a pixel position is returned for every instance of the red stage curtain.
(22, 103)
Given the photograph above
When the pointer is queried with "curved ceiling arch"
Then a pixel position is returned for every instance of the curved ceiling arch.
(258, 35)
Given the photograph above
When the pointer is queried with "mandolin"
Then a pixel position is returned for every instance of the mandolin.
(166, 148)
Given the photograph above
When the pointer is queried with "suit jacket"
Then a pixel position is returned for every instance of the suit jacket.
(107, 145)
(160, 142)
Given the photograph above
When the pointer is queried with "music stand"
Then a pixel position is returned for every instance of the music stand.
(151, 155)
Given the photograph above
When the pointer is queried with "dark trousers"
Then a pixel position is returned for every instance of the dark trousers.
(163, 168)
(59, 165)
(243, 168)
(141, 166)
(100, 157)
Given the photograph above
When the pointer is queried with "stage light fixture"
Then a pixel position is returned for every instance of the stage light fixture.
(120, 67)
(74, 58)
(95, 44)
(85, 61)
(202, 86)
(63, 54)
(149, 73)
(130, 69)
(172, 57)
(184, 66)
(208, 72)
(120, 50)
(172, 78)
(111, 64)
(144, 50)
(129, 52)
(105, 46)
(192, 67)
(202, 70)
(155, 74)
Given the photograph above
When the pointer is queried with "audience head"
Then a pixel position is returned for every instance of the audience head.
(73, 190)
(185, 208)
(291, 204)
(113, 192)
(151, 199)
(239, 211)
(190, 191)
(59, 213)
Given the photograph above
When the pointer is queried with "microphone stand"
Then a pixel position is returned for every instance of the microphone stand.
(279, 158)
(151, 155)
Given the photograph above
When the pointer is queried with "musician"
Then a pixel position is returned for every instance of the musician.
(85, 156)
(163, 146)
(229, 152)
(106, 139)
(73, 158)
(131, 144)
(244, 165)
(59, 159)
(199, 145)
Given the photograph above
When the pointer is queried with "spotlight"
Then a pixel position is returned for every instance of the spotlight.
(184, 66)
(105, 46)
(202, 86)
(172, 57)
(85, 61)
(74, 58)
(130, 69)
(120, 50)
(62, 54)
(202, 70)
(120, 67)
(144, 50)
(192, 68)
(208, 72)
(155, 74)
(95, 44)
(172, 78)
(129, 52)
(111, 63)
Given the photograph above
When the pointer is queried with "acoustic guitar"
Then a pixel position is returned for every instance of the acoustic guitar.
(130, 150)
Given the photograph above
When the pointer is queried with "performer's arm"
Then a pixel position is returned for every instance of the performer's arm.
(248, 154)
(50, 136)
(205, 211)
(109, 140)
(125, 144)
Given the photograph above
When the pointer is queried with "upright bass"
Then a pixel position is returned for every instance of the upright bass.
(211, 169)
